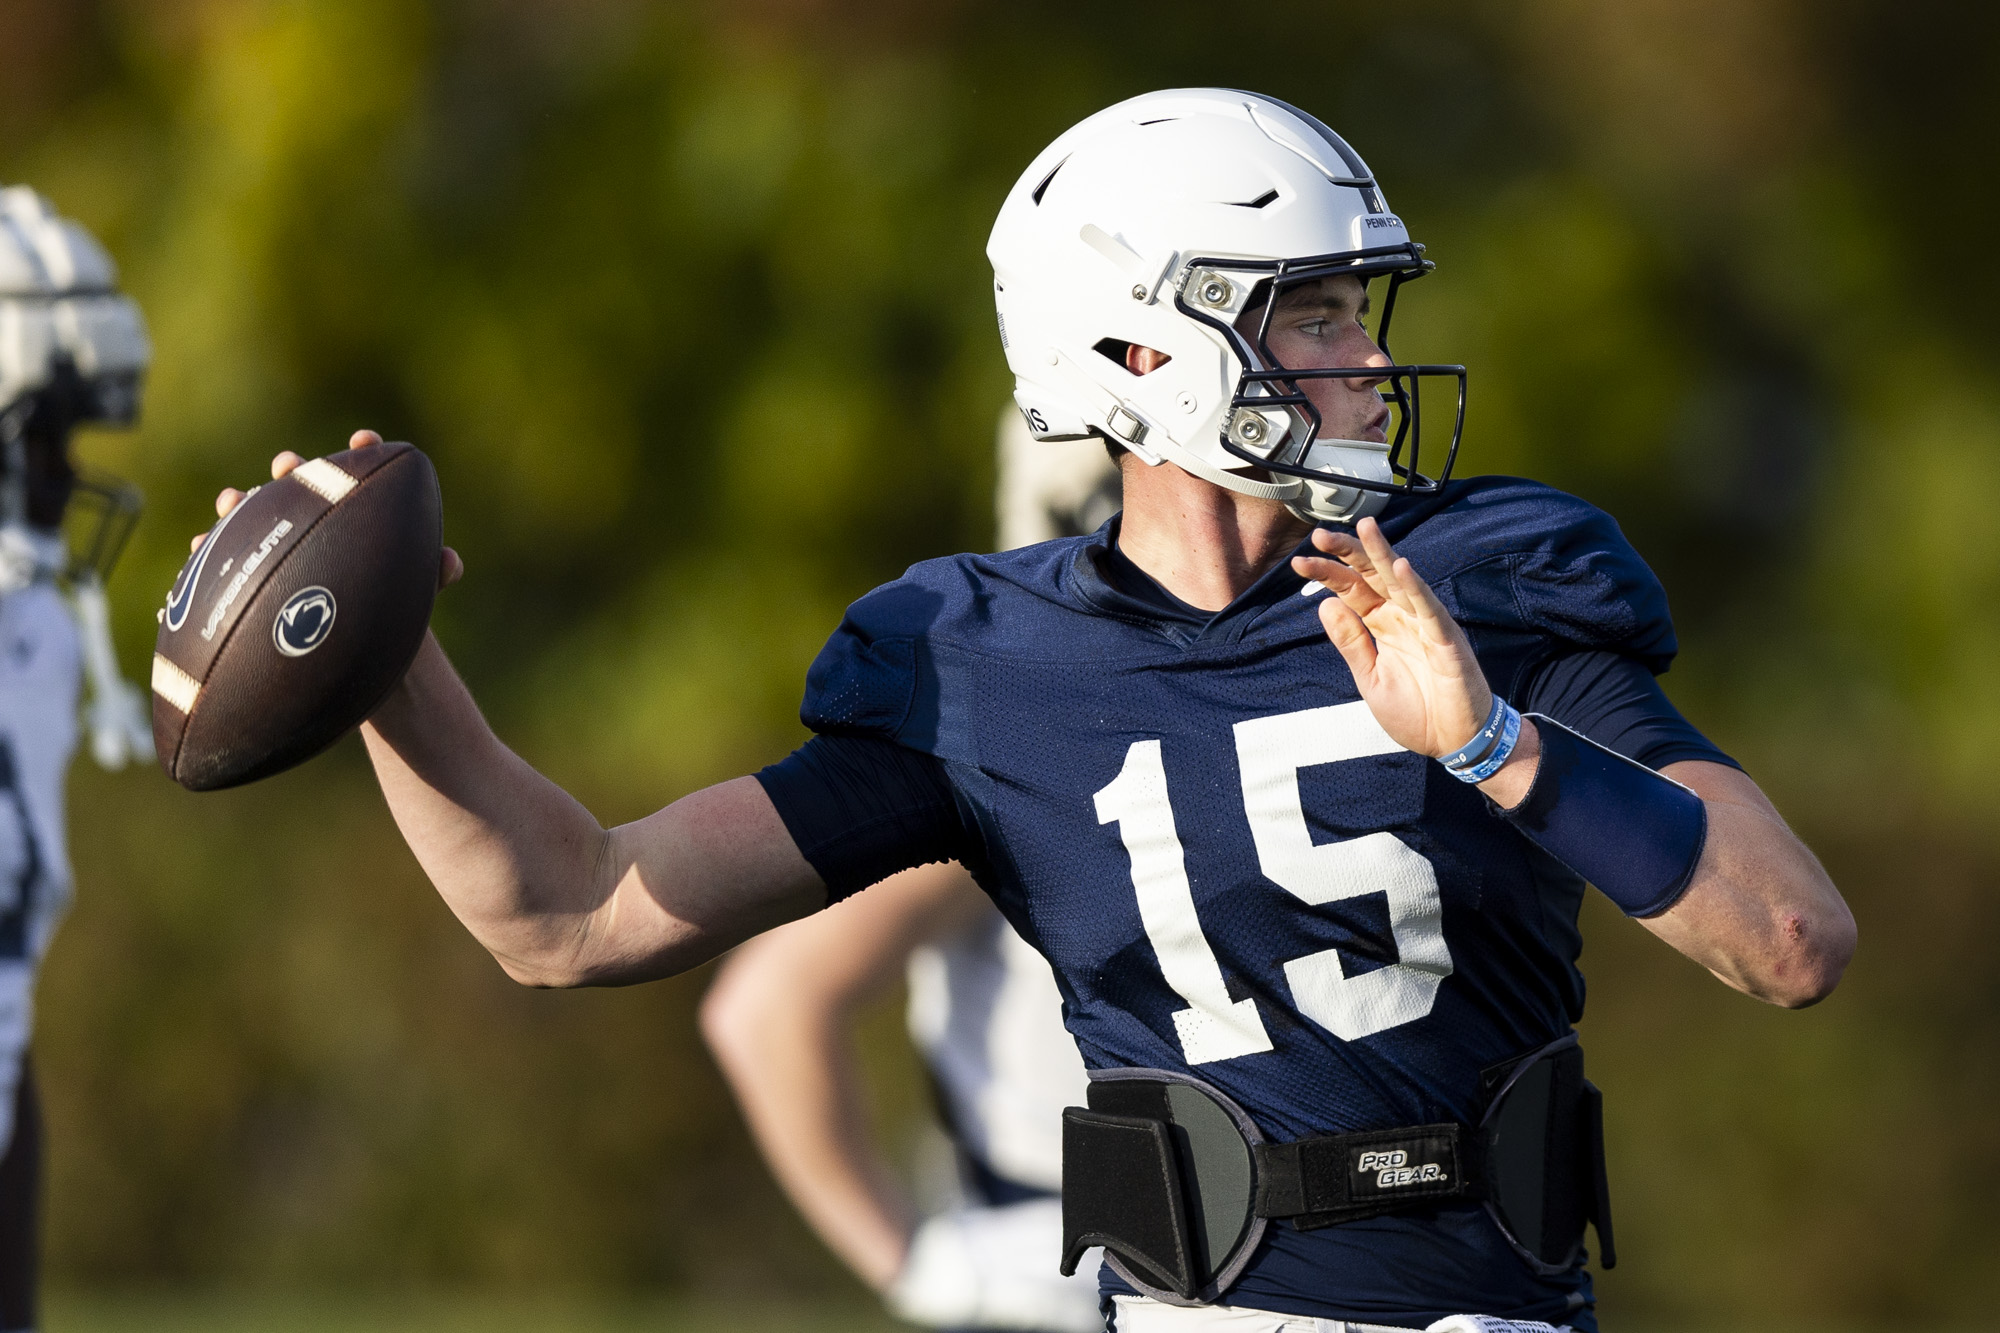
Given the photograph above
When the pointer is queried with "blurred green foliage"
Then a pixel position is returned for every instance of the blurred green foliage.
(689, 306)
(172, 1311)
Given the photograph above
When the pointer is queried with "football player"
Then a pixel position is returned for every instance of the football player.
(983, 1010)
(1296, 772)
(72, 351)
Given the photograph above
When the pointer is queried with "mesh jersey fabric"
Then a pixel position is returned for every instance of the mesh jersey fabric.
(861, 808)
(1034, 686)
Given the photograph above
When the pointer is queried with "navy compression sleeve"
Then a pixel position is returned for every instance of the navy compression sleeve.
(861, 809)
(1636, 835)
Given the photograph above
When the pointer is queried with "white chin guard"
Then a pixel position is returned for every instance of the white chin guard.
(1330, 502)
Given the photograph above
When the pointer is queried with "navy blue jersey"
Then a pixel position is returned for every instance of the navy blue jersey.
(1232, 869)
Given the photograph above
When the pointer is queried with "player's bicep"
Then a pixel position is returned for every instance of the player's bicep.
(695, 879)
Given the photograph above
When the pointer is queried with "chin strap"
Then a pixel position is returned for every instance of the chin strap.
(1286, 492)
(1338, 504)
(1330, 502)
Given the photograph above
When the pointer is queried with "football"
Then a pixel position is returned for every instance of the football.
(296, 616)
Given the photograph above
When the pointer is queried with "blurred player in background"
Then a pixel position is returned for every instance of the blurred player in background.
(72, 351)
(983, 1010)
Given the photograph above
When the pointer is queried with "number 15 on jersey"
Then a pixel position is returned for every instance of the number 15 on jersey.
(1270, 751)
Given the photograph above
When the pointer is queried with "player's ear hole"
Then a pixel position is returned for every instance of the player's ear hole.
(1134, 358)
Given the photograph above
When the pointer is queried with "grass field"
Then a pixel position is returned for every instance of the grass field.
(180, 1312)
(290, 1313)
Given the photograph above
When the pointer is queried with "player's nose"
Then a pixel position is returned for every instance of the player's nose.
(1366, 352)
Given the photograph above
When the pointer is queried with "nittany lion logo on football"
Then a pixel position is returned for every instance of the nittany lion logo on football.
(303, 621)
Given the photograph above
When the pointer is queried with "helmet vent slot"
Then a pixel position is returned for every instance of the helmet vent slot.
(1118, 352)
(1268, 197)
(1043, 188)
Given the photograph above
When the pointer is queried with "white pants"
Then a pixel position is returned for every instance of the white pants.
(1138, 1314)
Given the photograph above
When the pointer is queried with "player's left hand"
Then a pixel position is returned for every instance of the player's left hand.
(1411, 661)
(995, 1267)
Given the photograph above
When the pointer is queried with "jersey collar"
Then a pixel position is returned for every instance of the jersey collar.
(1109, 582)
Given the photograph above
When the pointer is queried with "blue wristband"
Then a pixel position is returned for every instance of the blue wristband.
(1490, 747)
(1502, 751)
(1482, 739)
(1633, 833)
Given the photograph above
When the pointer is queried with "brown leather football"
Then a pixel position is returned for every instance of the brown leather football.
(296, 616)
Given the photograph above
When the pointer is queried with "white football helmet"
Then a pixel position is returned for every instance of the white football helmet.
(64, 327)
(1158, 222)
(73, 349)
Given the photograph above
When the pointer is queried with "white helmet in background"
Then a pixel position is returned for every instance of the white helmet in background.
(1158, 222)
(72, 350)
(65, 331)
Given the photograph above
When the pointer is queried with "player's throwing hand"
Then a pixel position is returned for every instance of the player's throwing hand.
(1411, 661)
(451, 568)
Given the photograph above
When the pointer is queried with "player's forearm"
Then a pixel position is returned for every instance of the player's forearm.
(517, 859)
(786, 1057)
(1760, 912)
(839, 1183)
